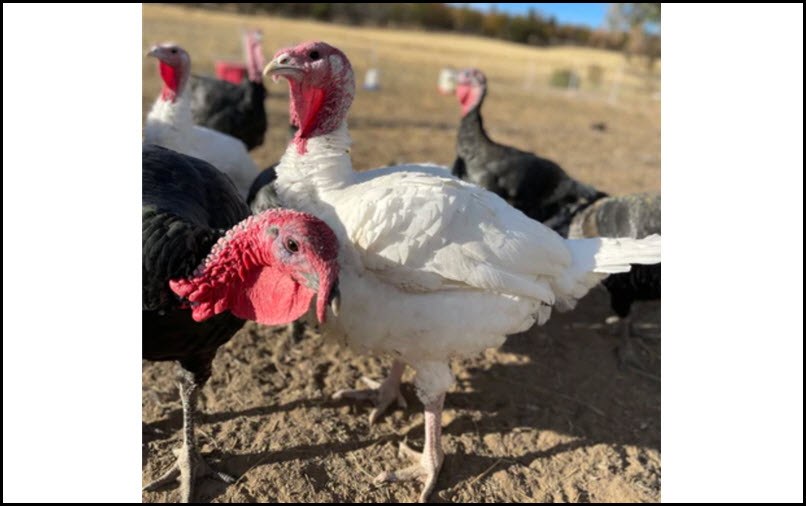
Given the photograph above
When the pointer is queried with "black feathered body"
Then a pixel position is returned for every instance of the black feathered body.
(236, 110)
(636, 216)
(187, 206)
(537, 186)
(262, 194)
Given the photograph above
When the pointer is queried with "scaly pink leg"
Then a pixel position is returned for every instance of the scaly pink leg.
(430, 460)
(380, 394)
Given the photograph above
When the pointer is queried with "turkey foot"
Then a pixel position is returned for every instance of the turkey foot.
(426, 470)
(627, 356)
(380, 394)
(189, 466)
(187, 470)
(429, 462)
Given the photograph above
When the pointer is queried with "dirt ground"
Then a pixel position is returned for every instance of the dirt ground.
(548, 417)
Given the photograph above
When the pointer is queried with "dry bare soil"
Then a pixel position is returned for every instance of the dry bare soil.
(546, 418)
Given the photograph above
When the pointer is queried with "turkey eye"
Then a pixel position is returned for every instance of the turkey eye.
(292, 246)
(314, 55)
(173, 51)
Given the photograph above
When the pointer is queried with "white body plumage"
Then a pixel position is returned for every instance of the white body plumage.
(170, 125)
(433, 267)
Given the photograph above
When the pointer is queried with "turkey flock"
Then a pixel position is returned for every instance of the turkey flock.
(418, 263)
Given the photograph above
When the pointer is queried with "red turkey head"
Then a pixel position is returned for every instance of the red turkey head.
(267, 269)
(174, 68)
(471, 86)
(322, 87)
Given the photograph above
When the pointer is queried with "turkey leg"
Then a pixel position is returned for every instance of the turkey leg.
(429, 462)
(189, 466)
(380, 394)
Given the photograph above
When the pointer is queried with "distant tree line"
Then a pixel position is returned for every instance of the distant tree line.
(633, 18)
(533, 28)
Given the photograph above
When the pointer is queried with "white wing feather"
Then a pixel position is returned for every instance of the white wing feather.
(433, 267)
(226, 153)
(423, 230)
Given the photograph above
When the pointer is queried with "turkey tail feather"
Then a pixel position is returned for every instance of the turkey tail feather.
(595, 259)
(610, 256)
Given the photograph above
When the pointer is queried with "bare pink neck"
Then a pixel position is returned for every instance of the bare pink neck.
(254, 60)
(317, 111)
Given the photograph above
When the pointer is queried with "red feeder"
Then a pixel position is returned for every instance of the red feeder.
(234, 72)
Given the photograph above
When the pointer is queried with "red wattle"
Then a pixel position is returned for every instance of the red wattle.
(311, 103)
(170, 78)
(312, 98)
(270, 298)
(464, 92)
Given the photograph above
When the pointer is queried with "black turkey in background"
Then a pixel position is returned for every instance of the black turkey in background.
(544, 192)
(537, 186)
(234, 109)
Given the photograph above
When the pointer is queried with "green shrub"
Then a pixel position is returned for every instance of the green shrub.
(564, 78)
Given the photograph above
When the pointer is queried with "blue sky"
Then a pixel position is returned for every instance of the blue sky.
(592, 15)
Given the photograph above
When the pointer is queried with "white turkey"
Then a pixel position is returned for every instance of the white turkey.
(169, 123)
(432, 267)
(372, 80)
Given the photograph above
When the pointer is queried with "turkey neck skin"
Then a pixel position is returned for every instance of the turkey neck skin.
(325, 166)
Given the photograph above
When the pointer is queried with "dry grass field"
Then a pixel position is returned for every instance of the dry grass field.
(548, 417)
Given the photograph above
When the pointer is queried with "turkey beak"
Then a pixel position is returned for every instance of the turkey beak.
(154, 51)
(281, 66)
